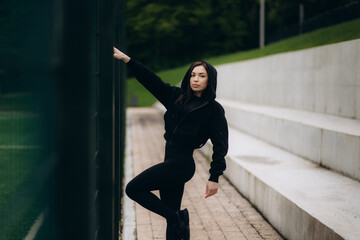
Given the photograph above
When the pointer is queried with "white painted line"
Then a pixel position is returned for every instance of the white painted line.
(19, 147)
(35, 227)
(129, 226)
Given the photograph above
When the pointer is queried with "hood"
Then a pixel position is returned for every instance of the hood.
(210, 91)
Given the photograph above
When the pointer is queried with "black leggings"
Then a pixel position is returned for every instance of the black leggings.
(169, 177)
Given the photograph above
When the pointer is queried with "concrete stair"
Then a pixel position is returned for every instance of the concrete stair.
(295, 138)
(329, 141)
(324, 79)
(299, 198)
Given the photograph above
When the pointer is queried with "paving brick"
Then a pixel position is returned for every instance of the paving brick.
(144, 232)
(234, 235)
(224, 216)
(216, 235)
(143, 217)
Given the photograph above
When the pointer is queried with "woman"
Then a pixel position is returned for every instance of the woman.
(192, 117)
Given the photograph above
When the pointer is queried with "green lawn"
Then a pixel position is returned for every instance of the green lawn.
(338, 33)
(17, 102)
(19, 197)
(17, 128)
(19, 158)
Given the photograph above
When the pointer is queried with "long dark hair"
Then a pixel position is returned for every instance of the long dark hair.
(185, 97)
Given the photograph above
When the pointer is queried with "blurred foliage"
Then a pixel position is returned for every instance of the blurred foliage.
(169, 33)
(283, 14)
(165, 34)
(338, 33)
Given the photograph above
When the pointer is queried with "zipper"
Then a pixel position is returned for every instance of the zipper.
(176, 127)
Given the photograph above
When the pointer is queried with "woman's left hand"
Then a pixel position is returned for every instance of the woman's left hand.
(211, 189)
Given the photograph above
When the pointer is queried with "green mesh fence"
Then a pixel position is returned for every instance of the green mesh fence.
(61, 119)
(24, 170)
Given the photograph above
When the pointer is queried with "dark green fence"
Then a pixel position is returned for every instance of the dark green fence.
(61, 119)
(329, 18)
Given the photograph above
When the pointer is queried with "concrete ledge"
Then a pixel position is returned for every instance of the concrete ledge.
(299, 198)
(323, 79)
(326, 140)
(129, 219)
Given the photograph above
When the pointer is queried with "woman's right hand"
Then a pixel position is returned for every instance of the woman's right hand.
(120, 55)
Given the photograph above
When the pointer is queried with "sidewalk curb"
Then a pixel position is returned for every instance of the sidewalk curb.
(129, 227)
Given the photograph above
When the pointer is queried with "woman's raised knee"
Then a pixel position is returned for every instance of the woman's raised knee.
(130, 190)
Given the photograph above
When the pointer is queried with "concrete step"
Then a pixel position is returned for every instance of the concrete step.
(327, 140)
(299, 198)
(324, 79)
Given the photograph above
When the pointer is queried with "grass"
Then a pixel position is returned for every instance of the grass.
(19, 200)
(19, 129)
(18, 163)
(338, 33)
(17, 102)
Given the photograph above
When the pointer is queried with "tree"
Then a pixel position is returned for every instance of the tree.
(170, 33)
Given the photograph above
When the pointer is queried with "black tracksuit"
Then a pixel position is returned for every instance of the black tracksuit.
(187, 127)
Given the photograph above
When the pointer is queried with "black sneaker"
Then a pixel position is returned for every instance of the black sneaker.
(184, 227)
(172, 232)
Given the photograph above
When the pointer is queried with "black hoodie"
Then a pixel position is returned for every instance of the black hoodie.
(192, 126)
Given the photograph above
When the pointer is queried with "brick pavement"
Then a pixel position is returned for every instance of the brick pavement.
(227, 215)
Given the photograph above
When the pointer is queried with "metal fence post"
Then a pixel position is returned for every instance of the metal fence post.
(73, 73)
(105, 80)
(118, 110)
(262, 24)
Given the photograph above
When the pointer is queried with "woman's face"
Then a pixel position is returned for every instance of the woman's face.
(198, 80)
